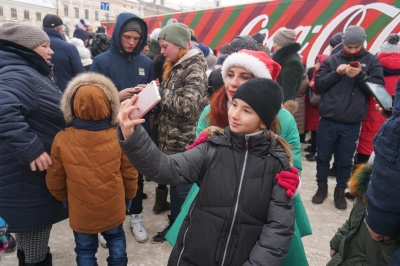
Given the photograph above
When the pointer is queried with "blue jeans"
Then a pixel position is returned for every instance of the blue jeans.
(87, 244)
(340, 139)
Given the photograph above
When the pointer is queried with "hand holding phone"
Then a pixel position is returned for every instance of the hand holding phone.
(147, 99)
(381, 96)
(354, 64)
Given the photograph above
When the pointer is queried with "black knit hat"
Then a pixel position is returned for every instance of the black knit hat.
(81, 34)
(265, 96)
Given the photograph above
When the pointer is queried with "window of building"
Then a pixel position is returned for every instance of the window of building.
(107, 16)
(96, 15)
(86, 13)
(13, 12)
(1, 11)
(66, 11)
(26, 14)
(76, 12)
(38, 16)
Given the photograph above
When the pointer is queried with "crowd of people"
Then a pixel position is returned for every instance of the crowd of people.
(225, 137)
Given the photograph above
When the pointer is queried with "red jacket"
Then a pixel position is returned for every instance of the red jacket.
(374, 120)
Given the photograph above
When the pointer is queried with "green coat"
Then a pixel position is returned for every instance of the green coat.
(296, 255)
(353, 242)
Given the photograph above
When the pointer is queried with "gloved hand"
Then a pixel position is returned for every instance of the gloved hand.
(128, 203)
(289, 180)
(3, 243)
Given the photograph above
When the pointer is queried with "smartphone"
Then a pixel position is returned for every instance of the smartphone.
(381, 95)
(146, 100)
(354, 64)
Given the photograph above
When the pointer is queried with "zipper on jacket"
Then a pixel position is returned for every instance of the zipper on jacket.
(237, 201)
(184, 235)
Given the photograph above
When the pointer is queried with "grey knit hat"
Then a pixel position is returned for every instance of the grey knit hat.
(132, 25)
(354, 35)
(176, 33)
(283, 37)
(392, 45)
(23, 34)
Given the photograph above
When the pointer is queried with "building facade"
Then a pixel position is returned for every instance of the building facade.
(93, 12)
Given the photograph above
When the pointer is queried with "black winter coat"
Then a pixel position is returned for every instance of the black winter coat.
(292, 71)
(241, 216)
(30, 118)
(344, 99)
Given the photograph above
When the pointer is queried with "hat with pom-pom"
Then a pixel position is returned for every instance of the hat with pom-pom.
(392, 45)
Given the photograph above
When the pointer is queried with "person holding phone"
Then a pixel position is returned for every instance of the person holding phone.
(344, 102)
(389, 56)
(241, 215)
(130, 71)
(383, 209)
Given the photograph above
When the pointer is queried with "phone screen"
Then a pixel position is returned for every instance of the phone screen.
(381, 95)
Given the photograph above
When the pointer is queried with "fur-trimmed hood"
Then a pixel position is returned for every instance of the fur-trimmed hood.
(90, 79)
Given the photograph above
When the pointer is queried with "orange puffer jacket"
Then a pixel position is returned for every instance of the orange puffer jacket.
(89, 169)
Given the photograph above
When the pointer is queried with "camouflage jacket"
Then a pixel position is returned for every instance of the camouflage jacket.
(183, 97)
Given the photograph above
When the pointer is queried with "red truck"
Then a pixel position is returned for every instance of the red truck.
(315, 21)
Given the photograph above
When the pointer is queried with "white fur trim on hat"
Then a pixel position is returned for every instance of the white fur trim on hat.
(248, 62)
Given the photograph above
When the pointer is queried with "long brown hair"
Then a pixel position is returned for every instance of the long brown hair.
(218, 115)
(169, 65)
(283, 143)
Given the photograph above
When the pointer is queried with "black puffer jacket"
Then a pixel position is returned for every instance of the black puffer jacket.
(240, 216)
(344, 99)
(30, 117)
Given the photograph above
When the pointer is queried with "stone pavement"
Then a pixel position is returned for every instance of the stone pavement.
(325, 219)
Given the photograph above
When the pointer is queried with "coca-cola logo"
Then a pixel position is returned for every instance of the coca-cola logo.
(319, 43)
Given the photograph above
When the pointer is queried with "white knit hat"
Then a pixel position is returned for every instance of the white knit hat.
(248, 62)
(392, 45)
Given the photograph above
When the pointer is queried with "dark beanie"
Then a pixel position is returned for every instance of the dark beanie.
(265, 96)
(336, 39)
(132, 25)
(81, 34)
(51, 21)
(243, 42)
(215, 79)
(259, 37)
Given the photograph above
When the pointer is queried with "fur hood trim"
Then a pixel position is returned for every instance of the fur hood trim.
(92, 79)
(291, 106)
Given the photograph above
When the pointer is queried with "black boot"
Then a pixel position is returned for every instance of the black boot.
(21, 257)
(47, 261)
(340, 200)
(321, 193)
(161, 204)
(160, 237)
